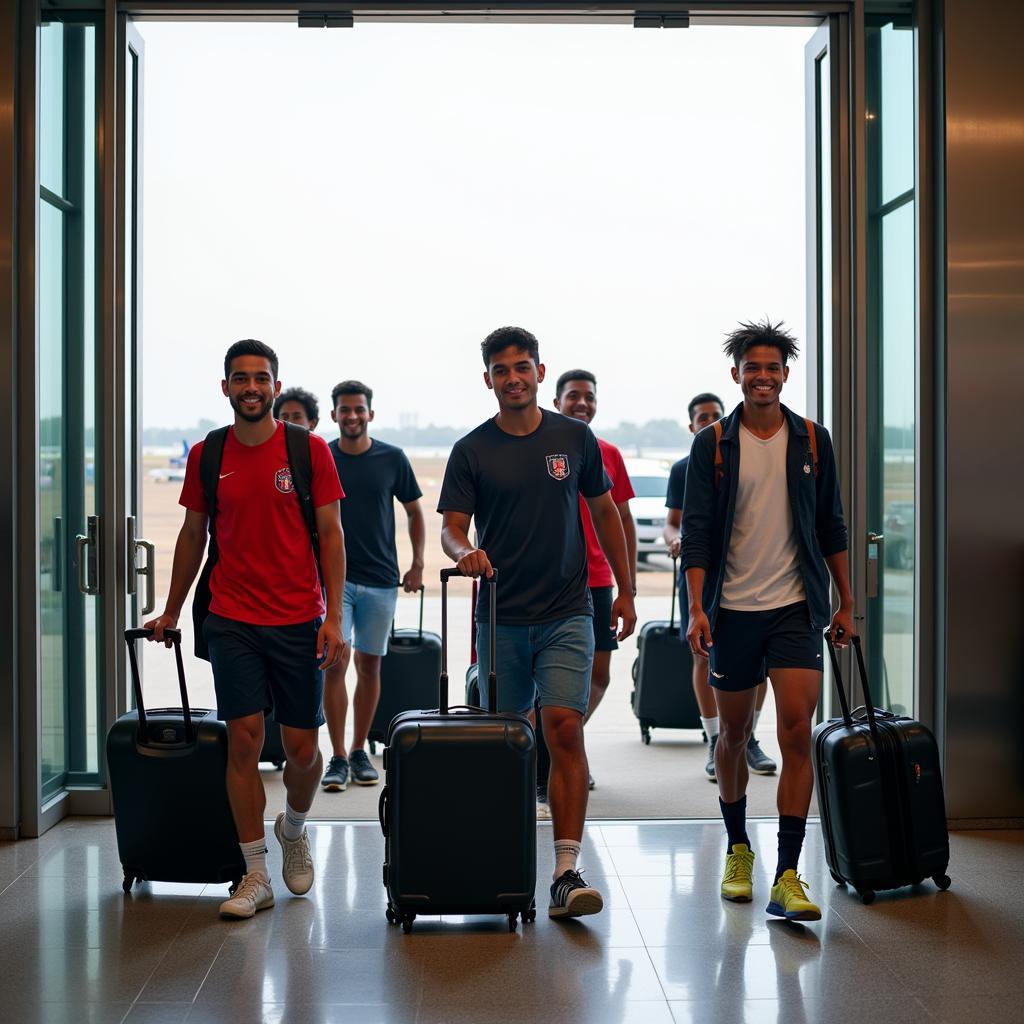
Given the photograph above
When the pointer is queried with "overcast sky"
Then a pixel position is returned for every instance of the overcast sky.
(371, 202)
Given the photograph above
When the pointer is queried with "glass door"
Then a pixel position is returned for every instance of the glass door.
(69, 524)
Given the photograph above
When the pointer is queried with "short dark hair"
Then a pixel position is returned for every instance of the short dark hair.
(701, 399)
(503, 337)
(573, 375)
(305, 398)
(351, 387)
(250, 347)
(746, 336)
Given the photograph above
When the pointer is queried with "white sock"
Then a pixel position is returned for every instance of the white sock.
(255, 854)
(757, 716)
(710, 726)
(294, 822)
(567, 852)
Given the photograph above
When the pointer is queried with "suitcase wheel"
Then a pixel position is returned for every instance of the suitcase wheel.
(867, 896)
(373, 747)
(645, 735)
(836, 878)
(391, 915)
(942, 881)
(129, 881)
(513, 921)
(407, 920)
(529, 916)
(279, 765)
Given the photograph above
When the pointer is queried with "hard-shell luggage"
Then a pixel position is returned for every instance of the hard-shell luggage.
(408, 676)
(459, 780)
(166, 768)
(273, 747)
(662, 672)
(879, 784)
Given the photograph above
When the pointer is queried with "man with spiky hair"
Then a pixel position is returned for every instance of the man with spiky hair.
(763, 530)
(298, 406)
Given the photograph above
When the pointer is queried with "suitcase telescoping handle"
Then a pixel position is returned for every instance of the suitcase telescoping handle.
(844, 705)
(492, 619)
(675, 587)
(423, 591)
(174, 635)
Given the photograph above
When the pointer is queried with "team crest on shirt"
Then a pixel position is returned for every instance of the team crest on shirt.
(283, 481)
(558, 466)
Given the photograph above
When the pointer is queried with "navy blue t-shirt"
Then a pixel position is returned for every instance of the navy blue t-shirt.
(372, 481)
(677, 484)
(523, 493)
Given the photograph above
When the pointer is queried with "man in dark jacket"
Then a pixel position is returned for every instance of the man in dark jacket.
(762, 531)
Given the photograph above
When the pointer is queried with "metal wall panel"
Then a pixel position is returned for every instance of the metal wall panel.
(984, 713)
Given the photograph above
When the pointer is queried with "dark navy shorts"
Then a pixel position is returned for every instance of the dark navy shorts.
(266, 668)
(604, 635)
(748, 645)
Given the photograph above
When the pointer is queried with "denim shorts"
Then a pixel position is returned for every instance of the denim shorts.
(549, 662)
(368, 613)
(266, 668)
(748, 645)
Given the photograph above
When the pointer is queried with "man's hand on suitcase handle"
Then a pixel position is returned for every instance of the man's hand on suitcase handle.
(699, 634)
(475, 564)
(158, 625)
(624, 611)
(842, 627)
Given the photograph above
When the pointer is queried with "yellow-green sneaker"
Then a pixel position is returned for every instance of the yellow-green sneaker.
(789, 899)
(738, 880)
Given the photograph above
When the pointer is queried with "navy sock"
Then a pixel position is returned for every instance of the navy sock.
(791, 841)
(735, 817)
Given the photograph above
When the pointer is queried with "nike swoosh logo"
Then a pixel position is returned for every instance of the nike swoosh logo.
(227, 474)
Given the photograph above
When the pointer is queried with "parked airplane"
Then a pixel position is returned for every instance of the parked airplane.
(174, 471)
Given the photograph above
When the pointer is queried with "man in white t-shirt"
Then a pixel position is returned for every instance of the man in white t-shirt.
(762, 532)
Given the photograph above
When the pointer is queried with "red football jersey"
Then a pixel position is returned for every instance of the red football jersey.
(265, 574)
(599, 571)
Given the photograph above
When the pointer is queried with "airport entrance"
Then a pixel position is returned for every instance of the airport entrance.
(101, 534)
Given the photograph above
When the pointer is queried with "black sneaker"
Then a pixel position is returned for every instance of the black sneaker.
(363, 773)
(709, 768)
(757, 760)
(572, 897)
(335, 779)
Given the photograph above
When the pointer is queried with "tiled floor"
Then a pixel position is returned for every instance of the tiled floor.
(74, 948)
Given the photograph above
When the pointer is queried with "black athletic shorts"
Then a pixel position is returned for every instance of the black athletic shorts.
(748, 645)
(604, 635)
(266, 668)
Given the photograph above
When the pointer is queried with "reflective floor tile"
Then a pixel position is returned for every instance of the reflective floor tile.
(158, 1013)
(594, 1012)
(74, 1012)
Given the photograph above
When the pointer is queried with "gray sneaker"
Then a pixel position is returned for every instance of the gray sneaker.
(335, 779)
(363, 773)
(757, 760)
(709, 768)
(297, 869)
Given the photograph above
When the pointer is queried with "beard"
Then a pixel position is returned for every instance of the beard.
(357, 431)
(251, 417)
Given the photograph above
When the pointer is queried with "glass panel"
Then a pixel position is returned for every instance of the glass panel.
(825, 240)
(51, 107)
(898, 427)
(896, 115)
(54, 562)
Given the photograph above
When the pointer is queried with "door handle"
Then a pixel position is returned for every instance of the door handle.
(87, 557)
(58, 554)
(135, 570)
(876, 545)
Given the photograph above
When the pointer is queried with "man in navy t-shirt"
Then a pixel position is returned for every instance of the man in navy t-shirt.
(520, 475)
(377, 474)
(703, 410)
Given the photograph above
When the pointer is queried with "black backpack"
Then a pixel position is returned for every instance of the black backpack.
(296, 442)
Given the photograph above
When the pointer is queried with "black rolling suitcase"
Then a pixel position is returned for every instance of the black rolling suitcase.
(879, 784)
(455, 778)
(166, 768)
(662, 672)
(273, 748)
(408, 676)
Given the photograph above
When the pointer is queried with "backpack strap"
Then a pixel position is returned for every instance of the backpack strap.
(719, 465)
(813, 435)
(300, 461)
(210, 460)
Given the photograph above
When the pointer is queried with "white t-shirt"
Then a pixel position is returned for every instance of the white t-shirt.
(762, 568)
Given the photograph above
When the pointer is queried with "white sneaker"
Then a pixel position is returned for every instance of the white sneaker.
(298, 861)
(543, 811)
(253, 893)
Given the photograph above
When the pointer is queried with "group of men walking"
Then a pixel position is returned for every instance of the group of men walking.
(297, 585)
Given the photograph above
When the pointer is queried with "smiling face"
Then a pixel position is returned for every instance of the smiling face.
(251, 388)
(353, 415)
(514, 378)
(761, 375)
(295, 412)
(578, 399)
